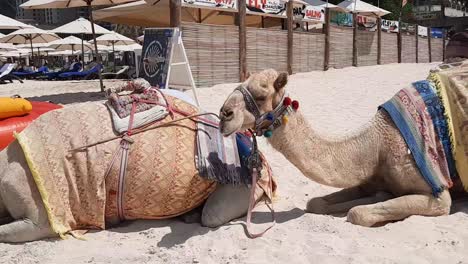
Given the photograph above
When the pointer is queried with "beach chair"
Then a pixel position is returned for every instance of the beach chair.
(121, 74)
(5, 74)
(92, 73)
(55, 75)
(32, 74)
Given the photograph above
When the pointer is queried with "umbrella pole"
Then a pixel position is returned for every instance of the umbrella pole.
(32, 50)
(73, 49)
(82, 48)
(98, 59)
(113, 53)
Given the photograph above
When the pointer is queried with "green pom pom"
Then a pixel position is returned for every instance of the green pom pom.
(268, 133)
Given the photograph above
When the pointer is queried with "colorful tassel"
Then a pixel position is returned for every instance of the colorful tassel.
(268, 133)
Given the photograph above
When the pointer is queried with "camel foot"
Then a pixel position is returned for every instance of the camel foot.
(220, 208)
(342, 201)
(400, 208)
(23, 231)
(193, 216)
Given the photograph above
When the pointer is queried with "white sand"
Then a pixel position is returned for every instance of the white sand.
(335, 102)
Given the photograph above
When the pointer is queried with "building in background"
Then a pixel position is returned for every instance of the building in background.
(449, 14)
(8, 8)
(46, 17)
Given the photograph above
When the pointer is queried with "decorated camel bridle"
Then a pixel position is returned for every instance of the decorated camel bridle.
(264, 125)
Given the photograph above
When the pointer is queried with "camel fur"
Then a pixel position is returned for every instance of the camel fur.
(379, 177)
(23, 216)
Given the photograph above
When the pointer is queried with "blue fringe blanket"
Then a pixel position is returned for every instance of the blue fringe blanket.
(418, 113)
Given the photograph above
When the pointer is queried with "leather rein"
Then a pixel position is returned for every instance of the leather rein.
(264, 125)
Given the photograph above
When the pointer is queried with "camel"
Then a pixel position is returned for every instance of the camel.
(23, 216)
(379, 178)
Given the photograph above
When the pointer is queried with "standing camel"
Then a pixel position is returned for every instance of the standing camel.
(379, 175)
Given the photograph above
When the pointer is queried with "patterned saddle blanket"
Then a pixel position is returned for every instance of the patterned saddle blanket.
(432, 116)
(79, 188)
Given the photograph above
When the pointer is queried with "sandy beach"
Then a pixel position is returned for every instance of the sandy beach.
(335, 103)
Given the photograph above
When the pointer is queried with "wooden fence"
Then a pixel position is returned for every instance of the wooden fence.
(214, 50)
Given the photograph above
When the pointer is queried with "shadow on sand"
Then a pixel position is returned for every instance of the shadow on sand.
(181, 232)
(70, 98)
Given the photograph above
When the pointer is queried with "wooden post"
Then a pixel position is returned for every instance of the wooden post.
(444, 39)
(242, 40)
(175, 12)
(399, 43)
(379, 40)
(355, 40)
(290, 18)
(326, 28)
(417, 44)
(429, 43)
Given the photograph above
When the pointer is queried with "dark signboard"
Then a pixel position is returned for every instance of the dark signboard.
(156, 55)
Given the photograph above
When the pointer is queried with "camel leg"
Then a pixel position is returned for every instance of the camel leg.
(400, 208)
(22, 200)
(342, 201)
(23, 231)
(226, 203)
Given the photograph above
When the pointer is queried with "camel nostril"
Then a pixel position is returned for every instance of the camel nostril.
(227, 114)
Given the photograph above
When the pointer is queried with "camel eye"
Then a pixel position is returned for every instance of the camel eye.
(264, 86)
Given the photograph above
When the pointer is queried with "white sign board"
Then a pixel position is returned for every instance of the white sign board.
(275, 7)
(228, 4)
(390, 25)
(422, 31)
(314, 13)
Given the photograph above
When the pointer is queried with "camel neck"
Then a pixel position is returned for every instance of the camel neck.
(343, 163)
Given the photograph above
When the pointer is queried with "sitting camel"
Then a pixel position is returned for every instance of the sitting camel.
(26, 216)
(379, 175)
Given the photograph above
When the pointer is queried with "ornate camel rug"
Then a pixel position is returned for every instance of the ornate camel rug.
(432, 116)
(162, 179)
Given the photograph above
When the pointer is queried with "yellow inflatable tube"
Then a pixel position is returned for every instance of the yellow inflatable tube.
(10, 107)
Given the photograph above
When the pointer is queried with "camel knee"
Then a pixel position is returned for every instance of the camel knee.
(211, 219)
(359, 215)
(317, 205)
(24, 231)
(444, 203)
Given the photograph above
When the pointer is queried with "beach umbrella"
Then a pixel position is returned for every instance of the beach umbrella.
(2, 35)
(7, 46)
(80, 26)
(69, 43)
(363, 8)
(131, 47)
(29, 36)
(141, 13)
(323, 4)
(46, 4)
(113, 39)
(10, 23)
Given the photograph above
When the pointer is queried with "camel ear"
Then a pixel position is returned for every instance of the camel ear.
(247, 75)
(281, 81)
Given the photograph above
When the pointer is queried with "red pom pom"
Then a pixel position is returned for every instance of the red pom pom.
(287, 101)
(295, 105)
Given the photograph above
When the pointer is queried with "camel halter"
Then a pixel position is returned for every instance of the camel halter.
(267, 122)
(264, 125)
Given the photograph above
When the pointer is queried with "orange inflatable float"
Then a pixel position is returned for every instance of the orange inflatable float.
(18, 123)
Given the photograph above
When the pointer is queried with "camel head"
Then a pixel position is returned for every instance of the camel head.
(266, 89)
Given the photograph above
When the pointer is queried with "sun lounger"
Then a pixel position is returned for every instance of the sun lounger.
(83, 75)
(55, 75)
(6, 75)
(121, 74)
(31, 74)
